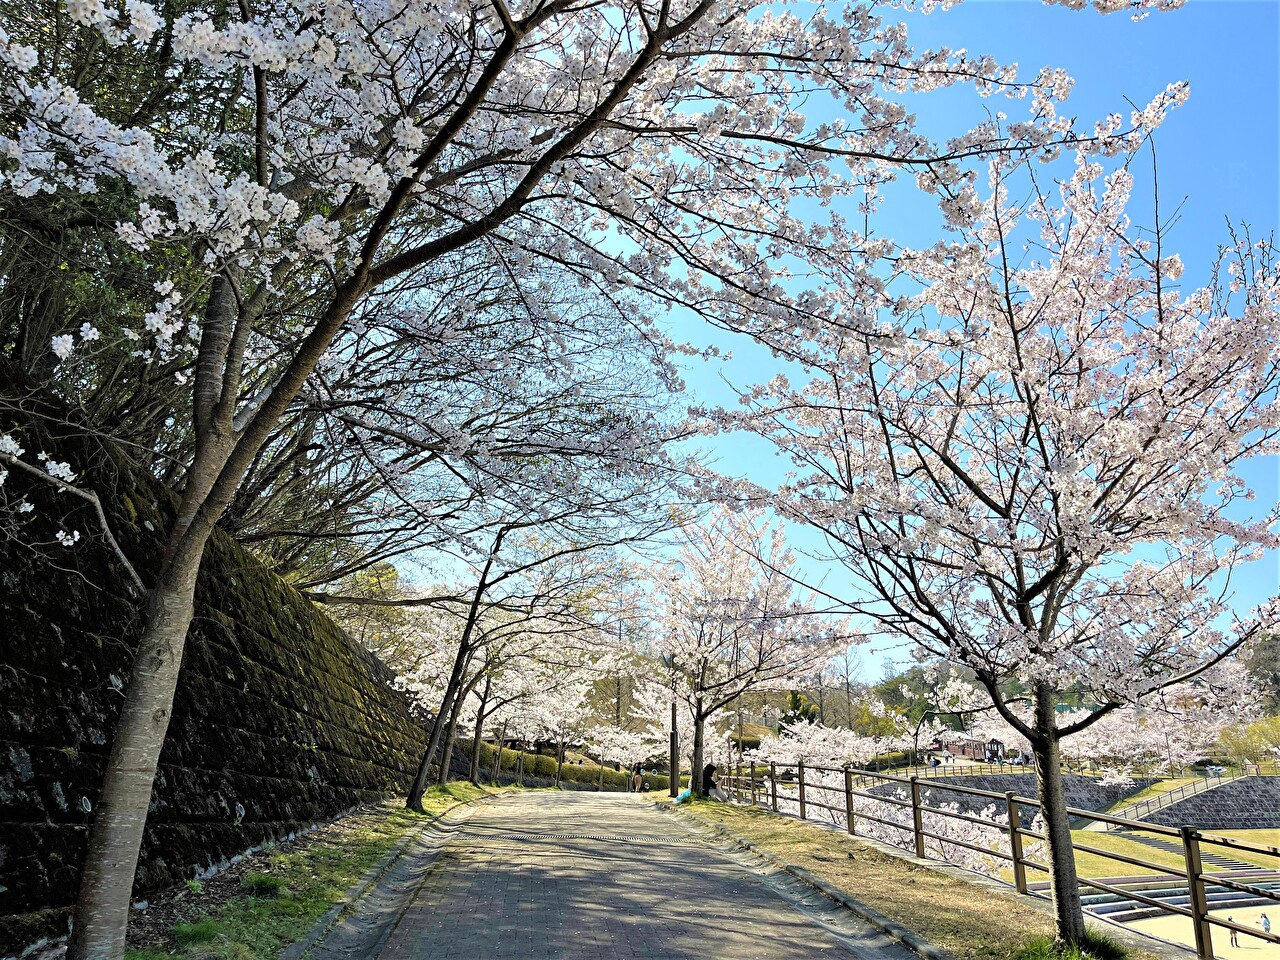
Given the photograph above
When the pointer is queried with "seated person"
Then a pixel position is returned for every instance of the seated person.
(709, 786)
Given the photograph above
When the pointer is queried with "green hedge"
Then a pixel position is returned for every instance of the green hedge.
(540, 765)
(888, 761)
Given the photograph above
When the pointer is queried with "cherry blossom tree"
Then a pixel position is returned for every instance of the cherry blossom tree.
(654, 698)
(528, 588)
(1034, 472)
(623, 746)
(733, 621)
(826, 750)
(520, 394)
(275, 165)
(1166, 731)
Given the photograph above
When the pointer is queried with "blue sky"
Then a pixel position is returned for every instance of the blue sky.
(1219, 157)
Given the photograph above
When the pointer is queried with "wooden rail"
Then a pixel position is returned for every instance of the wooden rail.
(833, 789)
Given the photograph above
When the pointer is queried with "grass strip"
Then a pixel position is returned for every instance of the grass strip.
(283, 892)
(969, 921)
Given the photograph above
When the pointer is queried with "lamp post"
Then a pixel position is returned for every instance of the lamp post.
(674, 786)
(673, 777)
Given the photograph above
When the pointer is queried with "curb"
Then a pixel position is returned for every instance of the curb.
(358, 890)
(890, 928)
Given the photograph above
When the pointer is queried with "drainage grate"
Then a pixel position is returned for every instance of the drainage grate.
(607, 837)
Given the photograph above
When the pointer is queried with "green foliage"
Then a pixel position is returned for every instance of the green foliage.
(1254, 742)
(201, 931)
(888, 761)
(1096, 946)
(799, 710)
(262, 885)
(195, 886)
(540, 765)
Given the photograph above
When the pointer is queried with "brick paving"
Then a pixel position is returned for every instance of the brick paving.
(542, 876)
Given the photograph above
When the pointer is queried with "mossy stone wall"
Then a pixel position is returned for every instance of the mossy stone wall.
(280, 720)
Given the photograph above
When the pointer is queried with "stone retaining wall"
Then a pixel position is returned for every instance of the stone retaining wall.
(1250, 803)
(280, 720)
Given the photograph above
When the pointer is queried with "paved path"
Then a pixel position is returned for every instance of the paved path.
(600, 876)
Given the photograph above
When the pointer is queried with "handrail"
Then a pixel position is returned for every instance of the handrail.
(1141, 808)
(852, 783)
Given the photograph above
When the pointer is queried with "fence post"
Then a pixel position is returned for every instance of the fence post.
(773, 784)
(800, 776)
(1195, 887)
(1015, 843)
(753, 783)
(848, 799)
(917, 817)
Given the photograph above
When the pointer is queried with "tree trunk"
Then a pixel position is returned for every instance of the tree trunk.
(222, 458)
(520, 764)
(474, 773)
(497, 760)
(111, 860)
(450, 741)
(699, 749)
(1063, 884)
(414, 800)
(559, 760)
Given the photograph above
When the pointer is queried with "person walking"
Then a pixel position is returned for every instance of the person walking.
(1235, 934)
(1266, 923)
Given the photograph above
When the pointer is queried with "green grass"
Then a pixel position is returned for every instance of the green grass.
(1096, 946)
(1162, 786)
(1094, 865)
(280, 903)
(1268, 838)
(262, 885)
(190, 934)
(971, 922)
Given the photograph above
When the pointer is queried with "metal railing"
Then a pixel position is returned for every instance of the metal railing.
(1140, 809)
(965, 770)
(795, 785)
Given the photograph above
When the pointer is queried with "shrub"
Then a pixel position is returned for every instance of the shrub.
(536, 765)
(262, 885)
(888, 761)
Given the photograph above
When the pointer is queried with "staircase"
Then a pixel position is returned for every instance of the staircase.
(1172, 846)
(1171, 889)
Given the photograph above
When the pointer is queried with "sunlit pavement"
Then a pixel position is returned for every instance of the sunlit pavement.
(589, 875)
(1178, 930)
